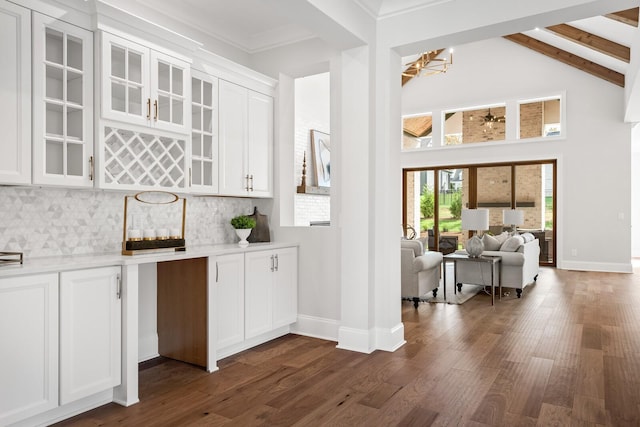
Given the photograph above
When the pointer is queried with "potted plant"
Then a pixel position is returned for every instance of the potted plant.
(243, 226)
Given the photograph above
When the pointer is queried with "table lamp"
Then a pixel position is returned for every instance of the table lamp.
(475, 220)
(513, 217)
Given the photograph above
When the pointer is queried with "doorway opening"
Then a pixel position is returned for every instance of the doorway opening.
(433, 199)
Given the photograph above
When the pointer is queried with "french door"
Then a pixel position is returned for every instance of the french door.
(434, 197)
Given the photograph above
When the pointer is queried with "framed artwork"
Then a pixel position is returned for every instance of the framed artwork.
(321, 149)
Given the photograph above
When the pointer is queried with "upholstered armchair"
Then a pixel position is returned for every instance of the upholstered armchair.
(420, 271)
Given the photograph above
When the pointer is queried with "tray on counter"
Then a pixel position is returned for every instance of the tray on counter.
(141, 246)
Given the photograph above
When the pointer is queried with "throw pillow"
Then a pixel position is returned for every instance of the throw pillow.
(490, 243)
(512, 244)
(502, 237)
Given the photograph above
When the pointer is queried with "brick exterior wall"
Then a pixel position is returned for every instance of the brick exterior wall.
(473, 131)
(531, 120)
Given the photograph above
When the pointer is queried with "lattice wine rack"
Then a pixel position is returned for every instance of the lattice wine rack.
(138, 159)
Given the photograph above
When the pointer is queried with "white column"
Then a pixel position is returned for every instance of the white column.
(369, 201)
(356, 331)
(386, 176)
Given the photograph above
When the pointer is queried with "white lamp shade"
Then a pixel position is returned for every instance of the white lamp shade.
(513, 217)
(475, 219)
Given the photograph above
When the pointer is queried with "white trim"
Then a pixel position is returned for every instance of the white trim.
(360, 340)
(390, 339)
(252, 342)
(316, 327)
(69, 410)
(607, 267)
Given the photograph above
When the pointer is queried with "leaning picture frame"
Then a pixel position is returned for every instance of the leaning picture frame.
(321, 149)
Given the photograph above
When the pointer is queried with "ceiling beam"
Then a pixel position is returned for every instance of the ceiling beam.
(629, 16)
(602, 45)
(568, 58)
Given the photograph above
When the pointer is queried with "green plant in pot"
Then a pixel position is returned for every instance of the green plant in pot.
(243, 226)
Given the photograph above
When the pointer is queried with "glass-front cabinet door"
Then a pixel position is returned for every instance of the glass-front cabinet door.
(144, 87)
(204, 133)
(125, 82)
(62, 103)
(169, 92)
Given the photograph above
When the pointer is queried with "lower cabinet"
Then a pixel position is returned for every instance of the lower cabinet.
(256, 293)
(229, 300)
(90, 332)
(28, 346)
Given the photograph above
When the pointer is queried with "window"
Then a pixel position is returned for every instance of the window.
(509, 121)
(540, 118)
(417, 131)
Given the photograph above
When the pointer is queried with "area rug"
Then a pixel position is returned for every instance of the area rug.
(468, 292)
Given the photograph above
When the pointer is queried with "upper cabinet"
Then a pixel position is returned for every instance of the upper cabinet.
(143, 86)
(204, 133)
(246, 141)
(15, 86)
(62, 103)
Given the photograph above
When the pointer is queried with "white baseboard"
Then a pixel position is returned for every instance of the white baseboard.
(69, 410)
(390, 339)
(252, 342)
(316, 327)
(606, 267)
(360, 340)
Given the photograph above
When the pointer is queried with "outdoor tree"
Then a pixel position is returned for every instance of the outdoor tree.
(426, 202)
(456, 205)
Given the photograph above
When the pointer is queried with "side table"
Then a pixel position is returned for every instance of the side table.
(493, 261)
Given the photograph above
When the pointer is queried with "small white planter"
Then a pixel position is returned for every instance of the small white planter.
(243, 233)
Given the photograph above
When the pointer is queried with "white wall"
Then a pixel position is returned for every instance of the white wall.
(594, 208)
(635, 190)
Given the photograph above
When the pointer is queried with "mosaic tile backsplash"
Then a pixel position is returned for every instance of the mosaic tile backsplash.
(51, 221)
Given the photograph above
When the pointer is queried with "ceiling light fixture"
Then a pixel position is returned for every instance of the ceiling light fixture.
(490, 119)
(428, 63)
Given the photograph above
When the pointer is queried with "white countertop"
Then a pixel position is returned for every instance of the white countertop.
(78, 262)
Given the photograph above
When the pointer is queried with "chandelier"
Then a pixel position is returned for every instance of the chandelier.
(428, 63)
(490, 119)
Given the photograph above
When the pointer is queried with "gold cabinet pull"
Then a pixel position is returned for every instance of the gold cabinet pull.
(91, 168)
(251, 178)
(148, 108)
(155, 104)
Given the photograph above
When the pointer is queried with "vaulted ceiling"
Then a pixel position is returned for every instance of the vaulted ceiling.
(600, 46)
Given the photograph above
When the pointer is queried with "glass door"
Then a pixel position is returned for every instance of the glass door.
(434, 198)
(63, 98)
(169, 91)
(125, 86)
(204, 133)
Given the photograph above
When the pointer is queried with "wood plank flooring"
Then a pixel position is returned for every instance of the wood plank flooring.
(566, 354)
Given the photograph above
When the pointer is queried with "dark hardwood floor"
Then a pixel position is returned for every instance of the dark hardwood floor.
(566, 354)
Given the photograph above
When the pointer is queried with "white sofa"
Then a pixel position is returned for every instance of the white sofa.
(420, 271)
(518, 268)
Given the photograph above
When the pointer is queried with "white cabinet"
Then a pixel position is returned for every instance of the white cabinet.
(285, 287)
(271, 283)
(204, 133)
(29, 346)
(259, 271)
(229, 300)
(90, 334)
(143, 86)
(15, 87)
(62, 103)
(246, 141)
